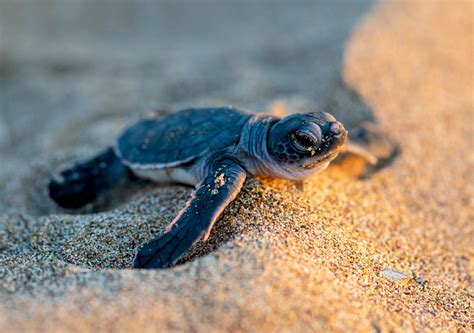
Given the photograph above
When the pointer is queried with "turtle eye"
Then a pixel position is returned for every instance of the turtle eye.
(303, 140)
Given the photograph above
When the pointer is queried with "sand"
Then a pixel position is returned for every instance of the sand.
(390, 252)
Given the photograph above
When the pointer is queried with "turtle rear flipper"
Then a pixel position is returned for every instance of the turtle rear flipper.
(79, 184)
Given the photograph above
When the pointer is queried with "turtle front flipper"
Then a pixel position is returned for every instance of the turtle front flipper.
(80, 183)
(196, 219)
(371, 142)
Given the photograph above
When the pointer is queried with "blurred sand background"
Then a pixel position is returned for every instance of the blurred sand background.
(283, 257)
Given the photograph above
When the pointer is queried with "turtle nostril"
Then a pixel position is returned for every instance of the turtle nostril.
(336, 129)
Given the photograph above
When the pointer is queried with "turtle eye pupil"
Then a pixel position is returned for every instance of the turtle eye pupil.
(304, 141)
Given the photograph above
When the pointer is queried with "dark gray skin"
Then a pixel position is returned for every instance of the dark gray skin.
(214, 149)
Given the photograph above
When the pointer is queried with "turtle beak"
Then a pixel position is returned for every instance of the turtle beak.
(338, 135)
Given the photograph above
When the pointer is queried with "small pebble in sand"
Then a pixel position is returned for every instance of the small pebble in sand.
(393, 275)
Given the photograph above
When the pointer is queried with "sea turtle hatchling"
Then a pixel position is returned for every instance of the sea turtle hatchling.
(214, 149)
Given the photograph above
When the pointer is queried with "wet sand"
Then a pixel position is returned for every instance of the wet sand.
(325, 255)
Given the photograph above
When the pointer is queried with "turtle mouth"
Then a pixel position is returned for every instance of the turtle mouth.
(326, 158)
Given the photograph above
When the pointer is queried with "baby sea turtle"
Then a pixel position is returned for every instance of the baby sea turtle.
(214, 149)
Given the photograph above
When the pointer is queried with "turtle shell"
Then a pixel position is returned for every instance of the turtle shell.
(177, 138)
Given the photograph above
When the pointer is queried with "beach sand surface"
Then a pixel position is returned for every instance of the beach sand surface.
(389, 252)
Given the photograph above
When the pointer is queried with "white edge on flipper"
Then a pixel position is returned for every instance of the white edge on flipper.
(357, 150)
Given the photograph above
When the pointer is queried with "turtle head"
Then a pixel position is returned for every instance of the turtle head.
(305, 143)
